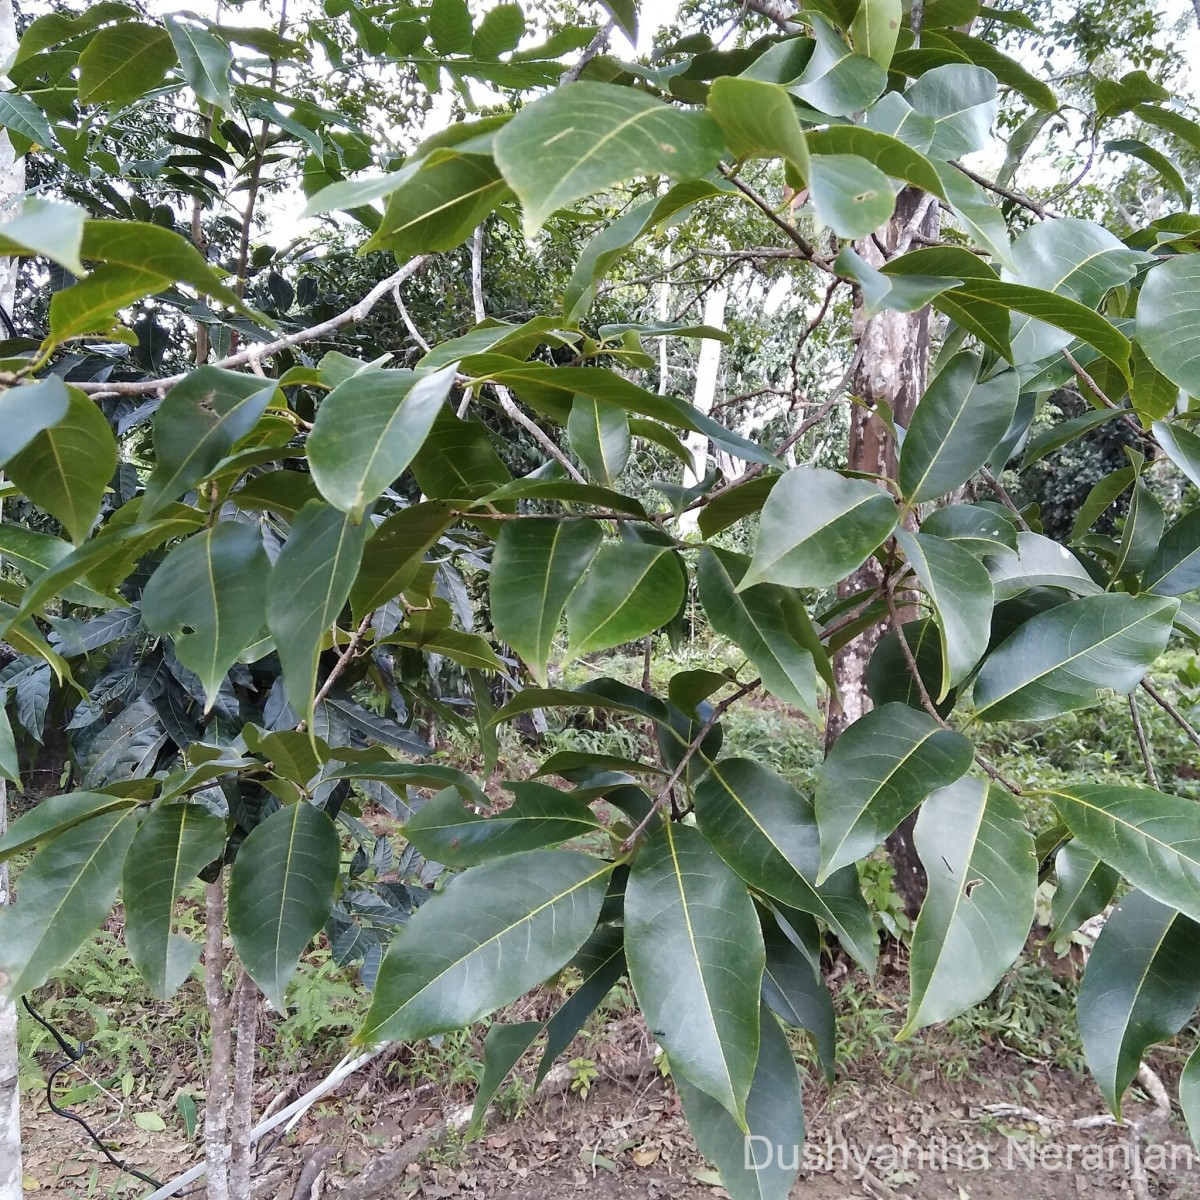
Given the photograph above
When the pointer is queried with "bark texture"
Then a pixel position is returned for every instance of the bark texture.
(218, 1095)
(893, 364)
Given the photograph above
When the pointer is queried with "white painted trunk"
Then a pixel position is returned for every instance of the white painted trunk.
(707, 370)
(12, 184)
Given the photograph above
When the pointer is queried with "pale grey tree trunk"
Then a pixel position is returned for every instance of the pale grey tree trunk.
(707, 370)
(12, 184)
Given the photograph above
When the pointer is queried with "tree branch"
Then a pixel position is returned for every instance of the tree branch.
(1188, 728)
(1140, 731)
(764, 206)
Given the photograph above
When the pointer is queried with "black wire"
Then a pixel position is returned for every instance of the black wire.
(75, 1054)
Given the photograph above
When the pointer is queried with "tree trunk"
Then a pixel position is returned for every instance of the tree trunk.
(892, 370)
(707, 369)
(219, 1087)
(12, 184)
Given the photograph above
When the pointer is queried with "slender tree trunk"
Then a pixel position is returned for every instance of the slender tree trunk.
(245, 1008)
(218, 1093)
(12, 184)
(892, 371)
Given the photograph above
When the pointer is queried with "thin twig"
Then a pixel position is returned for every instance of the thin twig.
(409, 324)
(1005, 499)
(1086, 379)
(352, 648)
(765, 207)
(1140, 730)
(1188, 728)
(665, 792)
(594, 47)
(1018, 198)
(356, 312)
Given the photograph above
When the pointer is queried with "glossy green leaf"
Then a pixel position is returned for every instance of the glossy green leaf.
(457, 461)
(199, 422)
(205, 60)
(49, 228)
(758, 120)
(956, 426)
(394, 554)
(306, 589)
(599, 435)
(495, 932)
(836, 80)
(585, 137)
(66, 468)
(767, 832)
(695, 955)
(1189, 1095)
(446, 832)
(1152, 838)
(875, 28)
(536, 566)
(54, 816)
(1140, 986)
(64, 894)
(26, 411)
(817, 527)
(888, 678)
(1181, 445)
(123, 62)
(1157, 161)
(450, 26)
(891, 155)
(1086, 887)
(1007, 70)
(1039, 562)
(631, 589)
(1142, 531)
(893, 115)
(438, 205)
(208, 595)
(281, 889)
(1062, 660)
(503, 1047)
(981, 530)
(369, 429)
(172, 846)
(760, 1164)
(889, 293)
(20, 115)
(849, 194)
(963, 103)
(500, 31)
(978, 856)
(877, 772)
(10, 762)
(1174, 567)
(757, 622)
(792, 984)
(958, 586)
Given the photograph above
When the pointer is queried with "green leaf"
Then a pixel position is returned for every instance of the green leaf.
(20, 115)
(756, 621)
(10, 762)
(849, 194)
(963, 103)
(875, 28)
(836, 80)
(767, 832)
(439, 204)
(979, 859)
(585, 137)
(888, 153)
(65, 892)
(889, 293)
(888, 679)
(1070, 257)
(893, 115)
(792, 984)
(877, 772)
(54, 816)
(1157, 161)
(1182, 447)
(1007, 70)
(695, 955)
(1039, 562)
(599, 435)
(47, 228)
(1152, 838)
(1189, 1095)
(817, 527)
(1086, 887)
(1099, 499)
(625, 13)
(503, 1047)
(983, 531)
(495, 932)
(427, 775)
(457, 461)
(66, 468)
(1064, 432)
(501, 30)
(446, 832)
(960, 589)
(199, 422)
(281, 889)
(1063, 659)
(1142, 532)
(450, 26)
(774, 1119)
(26, 411)
(393, 556)
(208, 595)
(536, 566)
(306, 589)
(1140, 986)
(123, 62)
(1174, 567)
(957, 424)
(632, 589)
(205, 60)
(758, 120)
(369, 429)
(172, 846)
